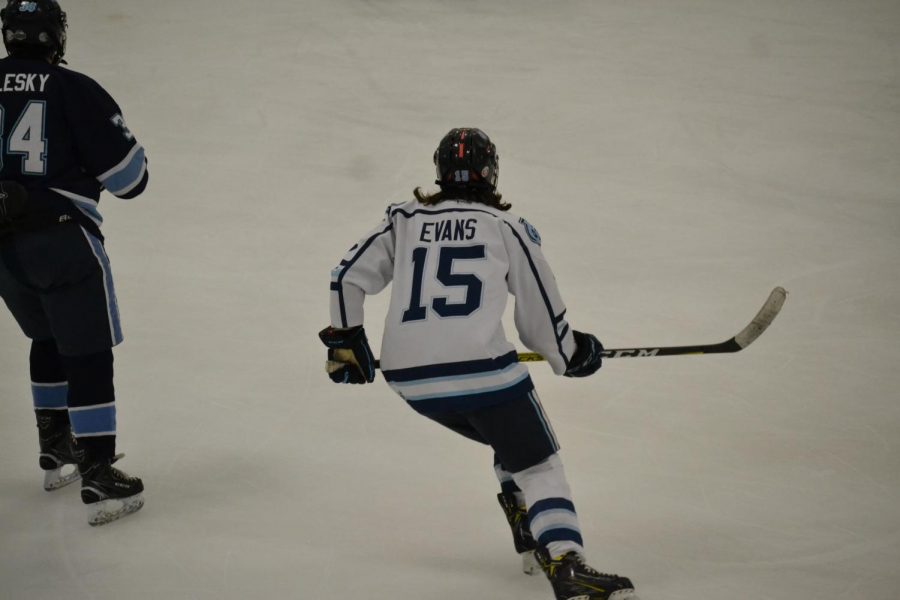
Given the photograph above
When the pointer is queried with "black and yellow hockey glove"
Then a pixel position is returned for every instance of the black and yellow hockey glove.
(350, 359)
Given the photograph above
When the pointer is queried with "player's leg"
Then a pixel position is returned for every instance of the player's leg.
(521, 434)
(526, 446)
(457, 423)
(48, 382)
(49, 390)
(108, 492)
(84, 316)
(512, 501)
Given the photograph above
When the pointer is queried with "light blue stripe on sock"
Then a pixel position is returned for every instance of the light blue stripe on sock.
(50, 396)
(93, 420)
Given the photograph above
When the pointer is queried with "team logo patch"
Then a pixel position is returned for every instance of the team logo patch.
(531, 231)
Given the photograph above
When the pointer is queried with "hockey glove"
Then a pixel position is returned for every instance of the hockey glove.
(350, 359)
(13, 201)
(588, 355)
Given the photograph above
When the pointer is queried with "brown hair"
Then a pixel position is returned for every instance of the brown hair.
(481, 196)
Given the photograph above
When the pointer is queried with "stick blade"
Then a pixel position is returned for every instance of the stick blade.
(763, 318)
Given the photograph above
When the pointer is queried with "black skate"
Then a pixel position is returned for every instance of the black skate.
(572, 579)
(517, 517)
(59, 458)
(109, 493)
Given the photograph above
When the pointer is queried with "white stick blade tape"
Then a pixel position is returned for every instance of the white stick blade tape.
(763, 318)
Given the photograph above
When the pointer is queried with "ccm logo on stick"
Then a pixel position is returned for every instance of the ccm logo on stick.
(626, 353)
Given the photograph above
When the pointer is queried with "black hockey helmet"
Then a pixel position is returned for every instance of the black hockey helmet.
(467, 159)
(34, 28)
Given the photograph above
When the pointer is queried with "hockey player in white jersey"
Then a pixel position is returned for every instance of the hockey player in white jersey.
(454, 257)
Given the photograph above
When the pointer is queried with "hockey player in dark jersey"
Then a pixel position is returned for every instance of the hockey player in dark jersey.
(63, 140)
(453, 258)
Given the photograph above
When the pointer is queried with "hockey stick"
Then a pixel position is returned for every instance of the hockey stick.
(747, 336)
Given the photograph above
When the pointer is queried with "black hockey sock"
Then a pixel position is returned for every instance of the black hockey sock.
(49, 390)
(509, 487)
(92, 408)
(45, 363)
(97, 449)
(51, 422)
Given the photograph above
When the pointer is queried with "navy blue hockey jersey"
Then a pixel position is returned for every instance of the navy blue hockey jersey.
(63, 137)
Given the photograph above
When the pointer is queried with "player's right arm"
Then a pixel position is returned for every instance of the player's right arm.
(107, 149)
(540, 312)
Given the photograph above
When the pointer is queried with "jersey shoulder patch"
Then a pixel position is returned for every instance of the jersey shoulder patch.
(533, 234)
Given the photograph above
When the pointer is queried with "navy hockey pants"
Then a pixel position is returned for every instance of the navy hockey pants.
(518, 430)
(58, 285)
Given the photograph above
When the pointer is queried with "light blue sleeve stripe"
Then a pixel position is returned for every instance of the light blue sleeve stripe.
(127, 176)
(50, 396)
(91, 421)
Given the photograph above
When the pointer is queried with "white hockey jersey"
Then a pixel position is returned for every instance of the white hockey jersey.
(453, 267)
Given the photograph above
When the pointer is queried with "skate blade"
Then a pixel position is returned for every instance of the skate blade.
(627, 594)
(617, 595)
(530, 564)
(113, 509)
(55, 479)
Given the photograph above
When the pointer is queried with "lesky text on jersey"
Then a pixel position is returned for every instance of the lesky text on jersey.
(63, 137)
(24, 82)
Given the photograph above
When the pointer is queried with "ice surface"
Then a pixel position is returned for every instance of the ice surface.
(680, 158)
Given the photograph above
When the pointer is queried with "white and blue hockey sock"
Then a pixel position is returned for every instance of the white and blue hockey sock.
(507, 482)
(551, 513)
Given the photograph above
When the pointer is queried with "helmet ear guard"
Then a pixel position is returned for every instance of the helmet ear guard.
(466, 159)
(35, 28)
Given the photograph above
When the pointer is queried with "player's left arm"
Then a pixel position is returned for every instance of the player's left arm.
(108, 149)
(366, 269)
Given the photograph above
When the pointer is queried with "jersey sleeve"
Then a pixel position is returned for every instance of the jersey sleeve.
(540, 311)
(366, 269)
(107, 148)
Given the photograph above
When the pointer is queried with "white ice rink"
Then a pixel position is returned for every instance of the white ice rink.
(680, 159)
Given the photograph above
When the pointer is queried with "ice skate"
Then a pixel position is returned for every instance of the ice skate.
(109, 493)
(58, 457)
(517, 517)
(573, 579)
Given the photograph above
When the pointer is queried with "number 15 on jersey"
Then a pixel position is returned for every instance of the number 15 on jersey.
(444, 277)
